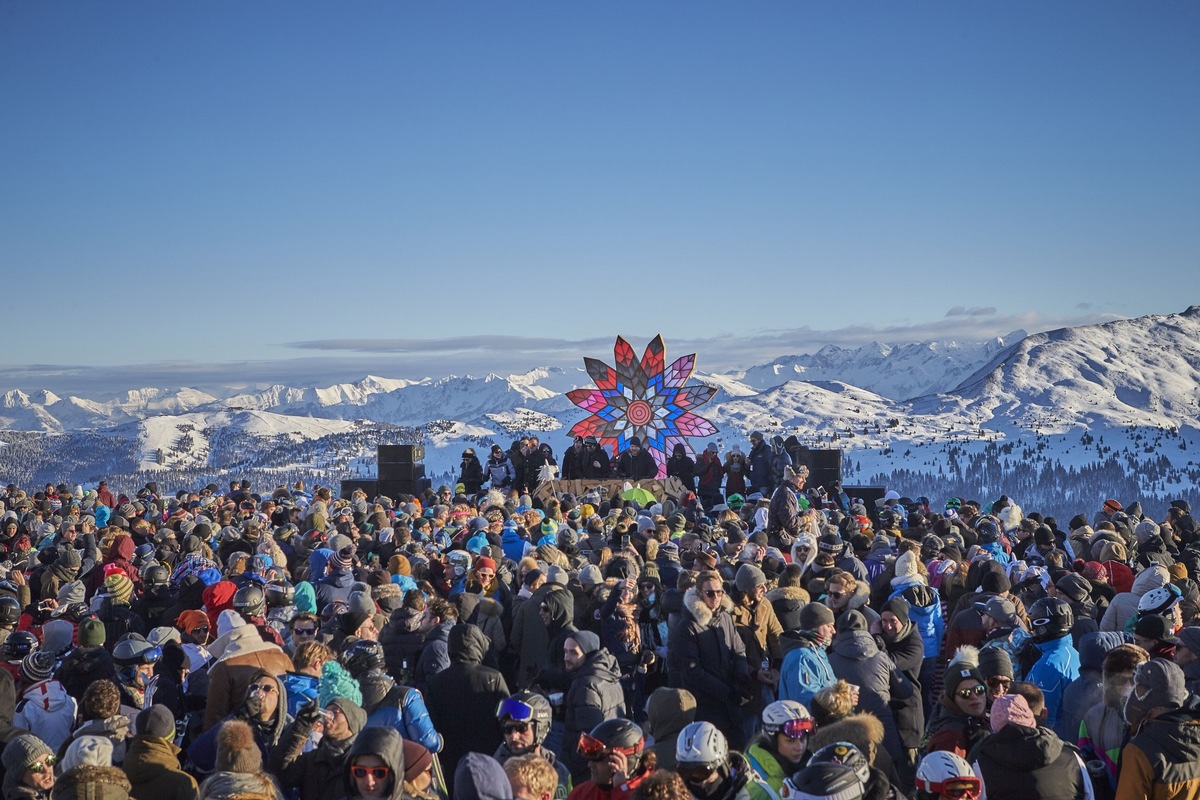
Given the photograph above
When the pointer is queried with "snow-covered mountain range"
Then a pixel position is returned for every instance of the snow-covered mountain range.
(893, 408)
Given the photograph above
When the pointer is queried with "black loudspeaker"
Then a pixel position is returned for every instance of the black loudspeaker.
(400, 453)
(407, 473)
(369, 486)
(393, 489)
(868, 494)
(824, 466)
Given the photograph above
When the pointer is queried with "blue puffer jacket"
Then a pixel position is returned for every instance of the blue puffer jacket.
(513, 545)
(300, 690)
(1058, 666)
(805, 670)
(403, 709)
(925, 611)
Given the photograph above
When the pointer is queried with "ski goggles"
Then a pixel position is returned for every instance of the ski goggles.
(695, 774)
(516, 710)
(797, 728)
(958, 788)
(593, 749)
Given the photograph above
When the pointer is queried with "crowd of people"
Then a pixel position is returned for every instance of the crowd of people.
(753, 639)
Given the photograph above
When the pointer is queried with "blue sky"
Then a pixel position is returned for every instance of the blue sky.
(304, 187)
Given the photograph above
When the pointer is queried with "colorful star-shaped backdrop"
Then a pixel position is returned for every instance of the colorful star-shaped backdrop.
(643, 399)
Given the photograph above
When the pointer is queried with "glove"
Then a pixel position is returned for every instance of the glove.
(309, 714)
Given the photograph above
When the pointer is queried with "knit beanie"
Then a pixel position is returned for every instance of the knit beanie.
(485, 562)
(356, 718)
(588, 642)
(1178, 570)
(91, 633)
(1011, 708)
(37, 666)
(748, 577)
(995, 662)
(898, 606)
(237, 750)
(399, 565)
(227, 620)
(590, 576)
(417, 759)
(906, 569)
(342, 559)
(189, 620)
(87, 751)
(814, 615)
(963, 666)
(71, 592)
(359, 608)
(480, 777)
(119, 586)
(336, 682)
(23, 752)
(156, 721)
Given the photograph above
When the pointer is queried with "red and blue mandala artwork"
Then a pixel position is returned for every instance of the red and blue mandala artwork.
(643, 399)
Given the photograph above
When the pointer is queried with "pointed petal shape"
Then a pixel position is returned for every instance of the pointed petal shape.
(591, 400)
(680, 370)
(654, 357)
(604, 375)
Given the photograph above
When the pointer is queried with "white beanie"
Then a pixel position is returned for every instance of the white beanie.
(227, 620)
(88, 751)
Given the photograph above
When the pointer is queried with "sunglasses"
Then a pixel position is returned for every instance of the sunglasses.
(714, 592)
(797, 728)
(516, 727)
(304, 631)
(257, 689)
(378, 773)
(974, 691)
(46, 763)
(836, 595)
(995, 682)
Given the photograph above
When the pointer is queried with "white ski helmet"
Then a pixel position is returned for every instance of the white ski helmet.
(1159, 601)
(939, 768)
(775, 715)
(701, 743)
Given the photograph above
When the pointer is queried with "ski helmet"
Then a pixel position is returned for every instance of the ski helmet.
(701, 744)
(846, 754)
(135, 652)
(943, 771)
(824, 780)
(613, 735)
(155, 574)
(1050, 618)
(787, 717)
(527, 707)
(362, 657)
(1159, 601)
(280, 594)
(18, 645)
(250, 601)
(10, 610)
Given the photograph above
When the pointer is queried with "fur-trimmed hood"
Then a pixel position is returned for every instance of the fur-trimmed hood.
(788, 593)
(862, 730)
(694, 607)
(92, 783)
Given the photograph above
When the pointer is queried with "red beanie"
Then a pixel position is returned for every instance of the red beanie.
(484, 561)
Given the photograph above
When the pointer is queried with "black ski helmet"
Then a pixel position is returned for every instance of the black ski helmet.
(1050, 618)
(280, 594)
(362, 657)
(250, 601)
(10, 610)
(18, 645)
(156, 575)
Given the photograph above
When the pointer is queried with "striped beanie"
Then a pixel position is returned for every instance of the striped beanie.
(119, 586)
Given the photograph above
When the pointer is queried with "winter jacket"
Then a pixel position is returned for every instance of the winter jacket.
(1017, 763)
(760, 630)
(202, 753)
(710, 471)
(500, 472)
(1125, 605)
(152, 766)
(595, 695)
(805, 670)
(462, 698)
(402, 640)
(301, 689)
(383, 743)
(471, 474)
(318, 774)
(47, 711)
(639, 467)
(244, 654)
(712, 658)
(925, 611)
(1088, 689)
(530, 637)
(907, 653)
(758, 468)
(684, 469)
(1057, 667)
(434, 656)
(780, 461)
(856, 659)
(514, 545)
(1102, 734)
(783, 518)
(87, 782)
(392, 705)
(953, 731)
(1162, 760)
(83, 666)
(334, 587)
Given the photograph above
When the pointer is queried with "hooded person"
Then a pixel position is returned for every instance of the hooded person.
(594, 695)
(263, 708)
(857, 659)
(1103, 731)
(904, 646)
(152, 761)
(375, 766)
(668, 711)
(1088, 689)
(462, 698)
(240, 654)
(239, 773)
(45, 709)
(480, 777)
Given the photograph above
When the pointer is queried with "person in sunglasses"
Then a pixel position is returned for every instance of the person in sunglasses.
(781, 747)
(263, 708)
(525, 719)
(959, 721)
(28, 769)
(375, 765)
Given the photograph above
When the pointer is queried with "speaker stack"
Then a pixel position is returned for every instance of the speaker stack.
(824, 466)
(349, 487)
(401, 470)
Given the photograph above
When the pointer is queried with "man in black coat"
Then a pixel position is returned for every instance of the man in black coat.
(462, 698)
(594, 464)
(636, 463)
(903, 644)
